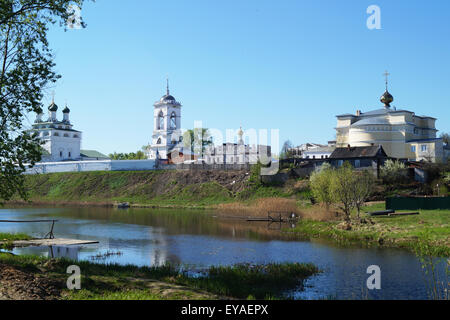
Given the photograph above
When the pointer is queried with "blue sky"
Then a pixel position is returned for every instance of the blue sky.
(287, 65)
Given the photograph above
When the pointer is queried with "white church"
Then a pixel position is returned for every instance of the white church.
(60, 141)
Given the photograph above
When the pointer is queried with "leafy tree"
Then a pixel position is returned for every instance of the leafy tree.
(139, 155)
(320, 182)
(26, 70)
(362, 188)
(342, 189)
(445, 137)
(196, 139)
(394, 171)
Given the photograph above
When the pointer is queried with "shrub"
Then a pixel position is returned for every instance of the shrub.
(394, 172)
(320, 184)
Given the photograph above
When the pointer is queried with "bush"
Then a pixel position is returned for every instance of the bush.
(321, 181)
(394, 172)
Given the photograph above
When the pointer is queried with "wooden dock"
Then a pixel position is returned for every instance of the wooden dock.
(48, 242)
(278, 218)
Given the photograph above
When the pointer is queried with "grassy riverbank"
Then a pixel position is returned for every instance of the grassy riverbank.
(238, 193)
(431, 227)
(114, 282)
(188, 189)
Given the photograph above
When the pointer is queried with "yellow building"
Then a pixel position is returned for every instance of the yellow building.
(402, 134)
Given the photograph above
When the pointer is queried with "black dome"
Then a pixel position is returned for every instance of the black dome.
(53, 107)
(167, 97)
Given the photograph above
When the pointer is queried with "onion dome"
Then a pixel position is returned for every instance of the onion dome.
(66, 110)
(53, 107)
(387, 99)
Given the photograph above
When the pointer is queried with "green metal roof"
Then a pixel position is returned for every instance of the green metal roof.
(92, 154)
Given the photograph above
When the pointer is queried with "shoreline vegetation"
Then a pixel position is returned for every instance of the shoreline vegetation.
(238, 195)
(43, 278)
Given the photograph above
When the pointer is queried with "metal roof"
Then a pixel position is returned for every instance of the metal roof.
(358, 152)
(92, 154)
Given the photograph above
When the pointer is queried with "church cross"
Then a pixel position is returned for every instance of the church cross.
(386, 74)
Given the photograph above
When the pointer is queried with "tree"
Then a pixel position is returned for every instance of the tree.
(138, 155)
(342, 188)
(196, 139)
(362, 188)
(394, 171)
(320, 182)
(445, 138)
(26, 70)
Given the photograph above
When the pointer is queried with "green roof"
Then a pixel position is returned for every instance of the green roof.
(92, 154)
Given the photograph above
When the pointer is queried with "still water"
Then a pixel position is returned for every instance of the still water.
(198, 239)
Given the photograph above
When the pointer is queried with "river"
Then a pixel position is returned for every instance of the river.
(198, 239)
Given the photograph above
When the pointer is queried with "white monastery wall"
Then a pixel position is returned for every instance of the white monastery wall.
(97, 165)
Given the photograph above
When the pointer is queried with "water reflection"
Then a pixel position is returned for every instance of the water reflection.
(147, 237)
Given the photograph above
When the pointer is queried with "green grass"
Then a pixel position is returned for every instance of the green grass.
(115, 282)
(151, 188)
(430, 227)
(259, 281)
(14, 236)
(7, 239)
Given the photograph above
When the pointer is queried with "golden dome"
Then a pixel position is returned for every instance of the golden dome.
(387, 99)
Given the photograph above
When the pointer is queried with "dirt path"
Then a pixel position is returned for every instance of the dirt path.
(18, 285)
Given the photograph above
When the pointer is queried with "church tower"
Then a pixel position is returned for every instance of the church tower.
(166, 127)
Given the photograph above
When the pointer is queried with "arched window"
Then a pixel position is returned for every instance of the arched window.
(159, 141)
(161, 121)
(173, 120)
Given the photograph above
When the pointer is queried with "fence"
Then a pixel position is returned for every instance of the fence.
(415, 203)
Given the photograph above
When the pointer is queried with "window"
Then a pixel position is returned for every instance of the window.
(56, 134)
(159, 141)
(173, 121)
(340, 163)
(424, 148)
(60, 154)
(416, 131)
(413, 149)
(357, 163)
(161, 121)
(75, 136)
(70, 154)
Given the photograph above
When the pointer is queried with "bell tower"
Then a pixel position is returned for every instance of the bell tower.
(166, 126)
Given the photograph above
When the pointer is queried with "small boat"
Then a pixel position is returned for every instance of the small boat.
(123, 205)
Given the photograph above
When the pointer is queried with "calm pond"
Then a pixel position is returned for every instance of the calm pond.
(198, 239)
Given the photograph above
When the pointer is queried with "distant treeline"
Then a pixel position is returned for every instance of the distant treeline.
(138, 155)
